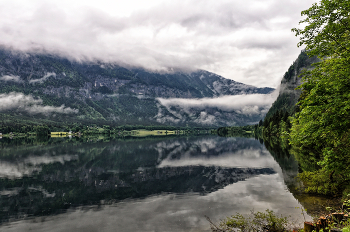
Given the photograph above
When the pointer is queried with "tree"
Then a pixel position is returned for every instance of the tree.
(321, 128)
(327, 29)
(42, 130)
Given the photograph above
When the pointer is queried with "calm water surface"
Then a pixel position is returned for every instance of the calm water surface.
(149, 184)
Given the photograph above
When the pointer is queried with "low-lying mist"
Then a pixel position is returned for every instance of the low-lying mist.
(27, 103)
(216, 111)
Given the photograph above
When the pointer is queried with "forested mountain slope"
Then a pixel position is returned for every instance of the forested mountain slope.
(36, 87)
(288, 94)
(319, 132)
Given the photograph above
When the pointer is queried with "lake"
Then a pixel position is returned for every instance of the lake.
(167, 183)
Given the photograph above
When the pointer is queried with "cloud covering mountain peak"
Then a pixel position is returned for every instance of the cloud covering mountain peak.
(241, 41)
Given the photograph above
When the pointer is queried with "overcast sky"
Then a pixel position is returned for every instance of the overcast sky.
(249, 41)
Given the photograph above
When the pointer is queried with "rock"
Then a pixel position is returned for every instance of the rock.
(309, 227)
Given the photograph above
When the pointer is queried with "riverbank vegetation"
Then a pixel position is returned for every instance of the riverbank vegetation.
(320, 128)
(320, 132)
(256, 221)
(334, 219)
(270, 221)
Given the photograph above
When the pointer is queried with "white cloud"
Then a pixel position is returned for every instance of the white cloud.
(245, 104)
(205, 119)
(11, 78)
(29, 165)
(27, 103)
(250, 157)
(44, 78)
(217, 111)
(248, 41)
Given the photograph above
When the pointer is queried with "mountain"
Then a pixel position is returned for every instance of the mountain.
(288, 94)
(48, 88)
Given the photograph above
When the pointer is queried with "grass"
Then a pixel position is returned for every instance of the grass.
(60, 134)
(256, 221)
(144, 133)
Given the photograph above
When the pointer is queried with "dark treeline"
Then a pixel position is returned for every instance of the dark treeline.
(238, 131)
(278, 124)
(25, 129)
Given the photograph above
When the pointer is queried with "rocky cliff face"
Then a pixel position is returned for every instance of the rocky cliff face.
(288, 94)
(106, 92)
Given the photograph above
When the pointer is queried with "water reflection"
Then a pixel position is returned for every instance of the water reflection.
(160, 184)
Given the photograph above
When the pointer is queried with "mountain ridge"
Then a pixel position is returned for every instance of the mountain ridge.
(108, 92)
(288, 94)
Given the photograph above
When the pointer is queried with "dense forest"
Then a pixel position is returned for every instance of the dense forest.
(321, 129)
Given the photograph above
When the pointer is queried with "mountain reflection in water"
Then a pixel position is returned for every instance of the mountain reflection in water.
(152, 184)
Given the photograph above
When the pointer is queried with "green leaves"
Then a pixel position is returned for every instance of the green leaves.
(321, 129)
(324, 118)
(259, 221)
(327, 29)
